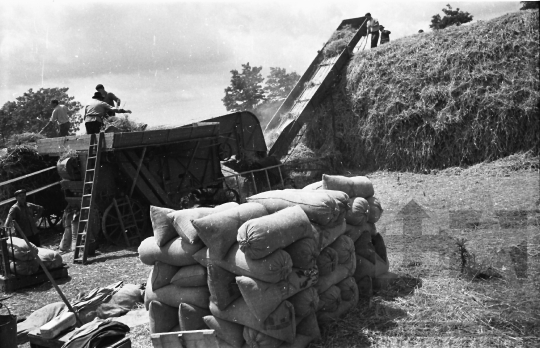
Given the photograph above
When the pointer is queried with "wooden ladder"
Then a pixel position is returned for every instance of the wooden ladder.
(128, 222)
(88, 226)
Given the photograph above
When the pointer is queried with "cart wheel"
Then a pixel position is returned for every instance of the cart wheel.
(111, 223)
(224, 151)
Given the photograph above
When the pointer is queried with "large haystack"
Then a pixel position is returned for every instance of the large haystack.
(454, 97)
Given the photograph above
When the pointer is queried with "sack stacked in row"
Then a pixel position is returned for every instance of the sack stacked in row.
(22, 260)
(365, 210)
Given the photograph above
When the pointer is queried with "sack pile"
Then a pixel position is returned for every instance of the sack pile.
(22, 261)
(261, 274)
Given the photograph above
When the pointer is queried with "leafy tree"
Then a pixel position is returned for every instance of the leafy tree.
(279, 83)
(452, 17)
(527, 5)
(31, 112)
(245, 91)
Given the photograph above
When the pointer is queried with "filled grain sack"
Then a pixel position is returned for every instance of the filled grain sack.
(358, 212)
(19, 250)
(261, 236)
(52, 259)
(353, 232)
(228, 331)
(304, 253)
(272, 268)
(173, 295)
(344, 307)
(357, 186)
(344, 247)
(256, 339)
(222, 285)
(320, 207)
(342, 271)
(181, 221)
(176, 252)
(307, 331)
(191, 317)
(327, 235)
(380, 247)
(375, 210)
(219, 231)
(327, 261)
(263, 298)
(305, 302)
(162, 317)
(330, 300)
(364, 267)
(128, 296)
(315, 186)
(162, 274)
(348, 288)
(365, 248)
(280, 323)
(188, 276)
(24, 267)
(162, 225)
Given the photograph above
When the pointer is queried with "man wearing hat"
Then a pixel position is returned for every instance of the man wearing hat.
(26, 215)
(96, 111)
(108, 98)
(373, 29)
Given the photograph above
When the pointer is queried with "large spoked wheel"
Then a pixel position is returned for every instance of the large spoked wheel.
(111, 226)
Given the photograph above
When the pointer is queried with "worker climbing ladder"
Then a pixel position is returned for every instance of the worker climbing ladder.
(89, 216)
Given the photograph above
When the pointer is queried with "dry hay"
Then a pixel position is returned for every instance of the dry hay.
(454, 97)
(124, 124)
(24, 138)
(339, 40)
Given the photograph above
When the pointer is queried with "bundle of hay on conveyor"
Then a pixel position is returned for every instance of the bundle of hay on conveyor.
(452, 97)
(268, 272)
(339, 40)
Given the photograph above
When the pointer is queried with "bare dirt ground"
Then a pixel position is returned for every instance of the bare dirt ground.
(494, 209)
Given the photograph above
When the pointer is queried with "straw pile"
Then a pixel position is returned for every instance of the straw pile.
(453, 97)
(265, 273)
(338, 41)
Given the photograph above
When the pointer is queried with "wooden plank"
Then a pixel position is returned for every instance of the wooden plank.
(155, 137)
(141, 185)
(12, 283)
(149, 177)
(57, 146)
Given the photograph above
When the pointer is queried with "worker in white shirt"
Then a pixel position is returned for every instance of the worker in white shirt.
(60, 115)
(373, 29)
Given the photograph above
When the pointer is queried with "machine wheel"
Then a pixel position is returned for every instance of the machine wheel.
(111, 226)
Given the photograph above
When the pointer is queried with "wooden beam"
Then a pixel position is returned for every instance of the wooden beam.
(141, 185)
(138, 171)
(26, 176)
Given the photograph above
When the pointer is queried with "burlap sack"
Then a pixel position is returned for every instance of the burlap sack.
(173, 295)
(359, 211)
(320, 206)
(181, 221)
(357, 186)
(188, 276)
(280, 324)
(261, 236)
(228, 331)
(353, 232)
(219, 231)
(162, 274)
(128, 297)
(162, 225)
(256, 339)
(24, 267)
(380, 247)
(344, 247)
(330, 300)
(222, 286)
(348, 288)
(52, 259)
(375, 210)
(324, 317)
(307, 331)
(315, 186)
(304, 253)
(327, 235)
(327, 261)
(305, 302)
(176, 252)
(263, 298)
(365, 267)
(365, 248)
(21, 250)
(342, 271)
(191, 317)
(273, 268)
(162, 317)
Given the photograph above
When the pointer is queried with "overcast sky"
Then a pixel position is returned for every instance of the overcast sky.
(169, 61)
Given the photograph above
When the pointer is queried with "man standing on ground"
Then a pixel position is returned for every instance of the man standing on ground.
(373, 29)
(60, 115)
(385, 35)
(96, 111)
(26, 215)
(108, 98)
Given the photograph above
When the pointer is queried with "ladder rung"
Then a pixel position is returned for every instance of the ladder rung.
(83, 220)
(80, 246)
(82, 234)
(88, 182)
(90, 170)
(87, 195)
(78, 260)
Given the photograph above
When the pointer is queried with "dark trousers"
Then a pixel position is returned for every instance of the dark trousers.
(93, 127)
(374, 39)
(64, 129)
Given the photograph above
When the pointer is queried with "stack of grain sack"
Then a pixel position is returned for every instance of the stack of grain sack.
(261, 274)
(22, 261)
